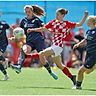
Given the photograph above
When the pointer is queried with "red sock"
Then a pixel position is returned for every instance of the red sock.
(69, 64)
(67, 72)
(34, 56)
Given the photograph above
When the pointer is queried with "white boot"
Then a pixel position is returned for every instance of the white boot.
(6, 77)
(77, 87)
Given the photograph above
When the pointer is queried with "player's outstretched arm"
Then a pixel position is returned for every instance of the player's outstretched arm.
(41, 29)
(83, 19)
(83, 42)
(11, 39)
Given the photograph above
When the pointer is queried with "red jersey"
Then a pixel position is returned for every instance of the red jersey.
(60, 30)
(68, 39)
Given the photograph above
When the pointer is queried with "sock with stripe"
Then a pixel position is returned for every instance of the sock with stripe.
(47, 66)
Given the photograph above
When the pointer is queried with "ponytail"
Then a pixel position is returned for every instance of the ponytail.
(38, 10)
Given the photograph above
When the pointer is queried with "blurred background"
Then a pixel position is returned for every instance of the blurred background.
(12, 12)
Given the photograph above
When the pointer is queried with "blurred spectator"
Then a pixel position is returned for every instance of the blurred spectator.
(81, 51)
(17, 23)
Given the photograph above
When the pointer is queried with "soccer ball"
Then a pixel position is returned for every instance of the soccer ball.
(18, 33)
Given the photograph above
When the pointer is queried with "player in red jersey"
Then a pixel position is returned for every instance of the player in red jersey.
(59, 28)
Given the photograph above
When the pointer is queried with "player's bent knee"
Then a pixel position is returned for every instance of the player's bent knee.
(42, 58)
(41, 54)
(89, 71)
(60, 66)
(26, 49)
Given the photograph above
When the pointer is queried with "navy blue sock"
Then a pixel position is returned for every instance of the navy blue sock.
(3, 69)
(78, 83)
(47, 66)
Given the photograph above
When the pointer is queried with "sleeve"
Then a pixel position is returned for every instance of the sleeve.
(7, 26)
(49, 25)
(22, 24)
(40, 23)
(71, 24)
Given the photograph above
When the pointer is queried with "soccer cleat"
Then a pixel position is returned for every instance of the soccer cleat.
(54, 75)
(77, 87)
(74, 79)
(6, 77)
(17, 68)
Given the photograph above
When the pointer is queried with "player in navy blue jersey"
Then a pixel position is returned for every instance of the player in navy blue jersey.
(90, 42)
(3, 46)
(34, 40)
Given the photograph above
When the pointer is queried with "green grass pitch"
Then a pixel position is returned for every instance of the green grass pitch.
(38, 82)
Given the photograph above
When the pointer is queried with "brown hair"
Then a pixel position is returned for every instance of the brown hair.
(37, 10)
(62, 11)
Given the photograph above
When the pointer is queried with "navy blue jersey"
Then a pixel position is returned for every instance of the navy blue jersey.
(35, 22)
(91, 41)
(3, 37)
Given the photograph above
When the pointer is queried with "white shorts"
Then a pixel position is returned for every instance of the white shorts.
(56, 49)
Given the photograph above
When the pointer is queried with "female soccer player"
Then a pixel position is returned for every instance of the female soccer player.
(60, 29)
(34, 40)
(90, 42)
(3, 45)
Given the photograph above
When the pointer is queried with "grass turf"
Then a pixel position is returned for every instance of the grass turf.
(39, 82)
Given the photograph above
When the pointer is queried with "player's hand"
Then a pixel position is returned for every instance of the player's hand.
(29, 30)
(11, 39)
(86, 13)
(75, 46)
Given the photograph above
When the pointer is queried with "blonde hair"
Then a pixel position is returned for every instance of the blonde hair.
(92, 19)
(37, 10)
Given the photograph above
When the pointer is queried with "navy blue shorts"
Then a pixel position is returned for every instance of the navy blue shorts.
(38, 44)
(90, 60)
